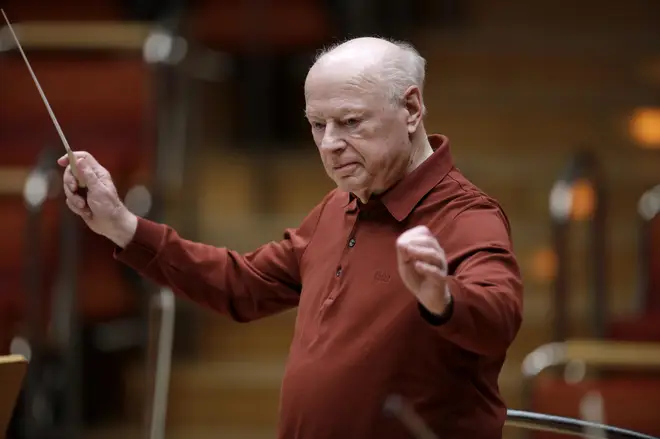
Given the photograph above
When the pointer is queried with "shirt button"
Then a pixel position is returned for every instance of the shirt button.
(351, 243)
(338, 273)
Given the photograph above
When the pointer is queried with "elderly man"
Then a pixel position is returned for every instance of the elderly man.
(404, 275)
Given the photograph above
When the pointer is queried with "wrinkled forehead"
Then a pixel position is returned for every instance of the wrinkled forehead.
(329, 96)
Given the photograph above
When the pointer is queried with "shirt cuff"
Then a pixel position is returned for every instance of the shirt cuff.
(145, 245)
(438, 319)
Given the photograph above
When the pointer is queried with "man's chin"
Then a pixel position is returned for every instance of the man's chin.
(349, 184)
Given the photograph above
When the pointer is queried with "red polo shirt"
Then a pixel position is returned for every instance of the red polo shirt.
(360, 334)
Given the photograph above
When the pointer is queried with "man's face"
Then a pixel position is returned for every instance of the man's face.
(362, 137)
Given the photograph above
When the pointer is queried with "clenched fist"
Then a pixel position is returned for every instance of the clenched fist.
(423, 268)
(103, 210)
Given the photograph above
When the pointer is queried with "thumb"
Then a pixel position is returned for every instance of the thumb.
(404, 254)
(64, 160)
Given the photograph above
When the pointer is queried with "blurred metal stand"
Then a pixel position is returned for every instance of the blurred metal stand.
(54, 355)
(163, 50)
(648, 291)
(66, 323)
(180, 70)
(163, 308)
(578, 195)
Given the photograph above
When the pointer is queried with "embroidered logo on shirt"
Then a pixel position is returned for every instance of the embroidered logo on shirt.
(381, 276)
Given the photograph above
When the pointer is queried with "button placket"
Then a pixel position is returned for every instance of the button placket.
(339, 271)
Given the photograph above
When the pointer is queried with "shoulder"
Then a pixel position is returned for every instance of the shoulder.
(471, 199)
(332, 202)
(460, 211)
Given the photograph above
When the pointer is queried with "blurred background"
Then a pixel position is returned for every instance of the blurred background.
(196, 108)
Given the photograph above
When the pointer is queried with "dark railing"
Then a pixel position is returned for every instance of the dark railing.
(585, 356)
(570, 426)
(397, 406)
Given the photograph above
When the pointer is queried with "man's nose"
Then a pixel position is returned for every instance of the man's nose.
(332, 141)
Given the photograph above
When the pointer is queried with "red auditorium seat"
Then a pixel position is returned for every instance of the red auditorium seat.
(104, 105)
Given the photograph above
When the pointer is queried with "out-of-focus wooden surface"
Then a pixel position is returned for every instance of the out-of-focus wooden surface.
(12, 372)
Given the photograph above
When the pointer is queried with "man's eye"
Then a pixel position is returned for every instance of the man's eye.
(351, 122)
(318, 125)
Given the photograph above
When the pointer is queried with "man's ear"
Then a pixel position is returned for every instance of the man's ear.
(414, 105)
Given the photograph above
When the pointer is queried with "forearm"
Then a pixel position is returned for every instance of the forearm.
(483, 319)
(245, 288)
(485, 282)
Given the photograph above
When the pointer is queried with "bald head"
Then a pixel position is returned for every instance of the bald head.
(389, 67)
(363, 101)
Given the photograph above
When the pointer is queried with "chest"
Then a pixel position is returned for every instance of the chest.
(352, 293)
(352, 255)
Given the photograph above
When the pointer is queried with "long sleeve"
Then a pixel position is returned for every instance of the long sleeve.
(485, 281)
(243, 286)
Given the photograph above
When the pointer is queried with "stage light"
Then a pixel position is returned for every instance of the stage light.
(645, 127)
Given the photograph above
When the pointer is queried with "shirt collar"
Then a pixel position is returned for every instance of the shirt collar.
(402, 198)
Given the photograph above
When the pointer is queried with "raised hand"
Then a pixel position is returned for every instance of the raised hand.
(102, 210)
(423, 268)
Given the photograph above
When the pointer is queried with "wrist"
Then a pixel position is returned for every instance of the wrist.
(124, 228)
(438, 318)
(439, 302)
